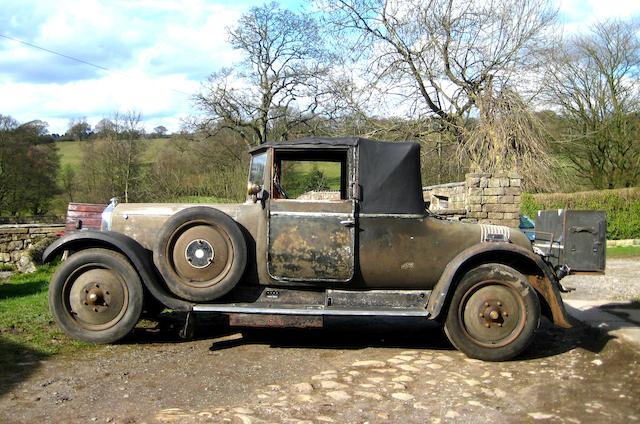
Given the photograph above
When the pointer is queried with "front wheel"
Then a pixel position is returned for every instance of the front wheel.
(96, 296)
(493, 313)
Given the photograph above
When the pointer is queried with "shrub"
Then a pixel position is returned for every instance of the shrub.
(622, 207)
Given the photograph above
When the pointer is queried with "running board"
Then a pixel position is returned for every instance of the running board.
(248, 308)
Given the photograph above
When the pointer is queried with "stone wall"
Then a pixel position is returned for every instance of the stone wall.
(21, 244)
(483, 198)
(446, 196)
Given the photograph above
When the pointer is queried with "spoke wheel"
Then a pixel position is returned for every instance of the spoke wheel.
(96, 296)
(493, 313)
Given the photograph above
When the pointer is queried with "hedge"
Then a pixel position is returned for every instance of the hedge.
(622, 207)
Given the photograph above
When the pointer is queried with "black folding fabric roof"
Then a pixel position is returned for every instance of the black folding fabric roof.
(389, 172)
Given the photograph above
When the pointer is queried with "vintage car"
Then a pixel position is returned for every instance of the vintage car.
(362, 245)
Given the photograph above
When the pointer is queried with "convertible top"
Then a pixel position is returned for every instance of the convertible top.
(389, 172)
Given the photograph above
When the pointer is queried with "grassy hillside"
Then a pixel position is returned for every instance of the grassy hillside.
(71, 151)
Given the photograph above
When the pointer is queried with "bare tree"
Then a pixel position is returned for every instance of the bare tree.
(445, 59)
(160, 131)
(79, 129)
(104, 128)
(510, 136)
(277, 86)
(112, 165)
(594, 80)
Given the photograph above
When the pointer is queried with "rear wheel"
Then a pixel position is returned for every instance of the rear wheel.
(493, 313)
(96, 296)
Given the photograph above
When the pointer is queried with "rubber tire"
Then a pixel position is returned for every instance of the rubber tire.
(106, 259)
(185, 219)
(504, 276)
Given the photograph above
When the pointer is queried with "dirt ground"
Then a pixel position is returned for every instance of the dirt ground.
(354, 370)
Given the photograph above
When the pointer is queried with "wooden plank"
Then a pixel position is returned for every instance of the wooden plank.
(86, 207)
(90, 223)
(80, 215)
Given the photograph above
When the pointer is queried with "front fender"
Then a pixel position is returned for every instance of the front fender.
(136, 254)
(538, 273)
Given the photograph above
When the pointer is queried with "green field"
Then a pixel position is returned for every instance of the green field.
(626, 252)
(298, 177)
(71, 151)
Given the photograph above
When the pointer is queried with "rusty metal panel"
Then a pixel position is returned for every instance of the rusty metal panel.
(311, 246)
(278, 321)
(574, 238)
(373, 299)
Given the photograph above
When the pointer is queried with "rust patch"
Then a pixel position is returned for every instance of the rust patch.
(310, 248)
(545, 288)
(276, 321)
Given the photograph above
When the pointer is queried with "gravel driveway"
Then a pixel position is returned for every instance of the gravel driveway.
(621, 282)
(354, 370)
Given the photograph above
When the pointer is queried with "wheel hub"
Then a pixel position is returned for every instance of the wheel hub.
(199, 253)
(97, 298)
(489, 314)
(493, 314)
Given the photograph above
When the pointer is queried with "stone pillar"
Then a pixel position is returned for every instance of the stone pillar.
(494, 198)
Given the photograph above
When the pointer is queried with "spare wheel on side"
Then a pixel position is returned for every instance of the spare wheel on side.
(201, 253)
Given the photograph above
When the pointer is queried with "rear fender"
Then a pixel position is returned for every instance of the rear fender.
(140, 258)
(537, 272)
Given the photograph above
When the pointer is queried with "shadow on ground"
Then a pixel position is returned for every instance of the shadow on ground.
(19, 363)
(8, 291)
(354, 333)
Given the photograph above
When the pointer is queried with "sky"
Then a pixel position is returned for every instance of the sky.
(151, 55)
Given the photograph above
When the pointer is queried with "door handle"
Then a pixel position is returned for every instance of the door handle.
(583, 230)
(348, 223)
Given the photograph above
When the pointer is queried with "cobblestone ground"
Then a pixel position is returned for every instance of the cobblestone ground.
(354, 371)
(426, 386)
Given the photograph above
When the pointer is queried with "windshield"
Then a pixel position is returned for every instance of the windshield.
(256, 171)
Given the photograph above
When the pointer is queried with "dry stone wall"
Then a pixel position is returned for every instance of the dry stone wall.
(483, 198)
(22, 244)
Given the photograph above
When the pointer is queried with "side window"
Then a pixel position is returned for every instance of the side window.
(310, 175)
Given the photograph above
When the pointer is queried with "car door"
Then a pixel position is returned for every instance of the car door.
(311, 220)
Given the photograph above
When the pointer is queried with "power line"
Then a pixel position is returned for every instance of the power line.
(44, 49)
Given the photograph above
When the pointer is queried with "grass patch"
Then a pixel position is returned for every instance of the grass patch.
(299, 177)
(6, 267)
(71, 151)
(623, 252)
(27, 330)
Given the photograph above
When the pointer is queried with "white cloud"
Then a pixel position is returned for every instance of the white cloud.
(578, 15)
(157, 52)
